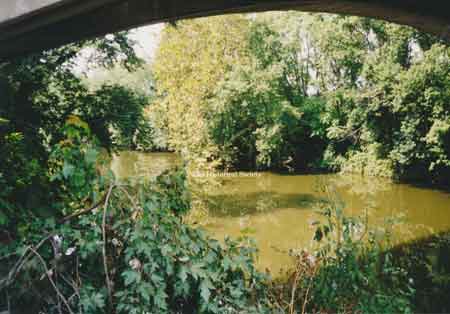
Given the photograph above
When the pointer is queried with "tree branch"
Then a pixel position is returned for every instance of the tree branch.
(83, 211)
(105, 262)
(51, 280)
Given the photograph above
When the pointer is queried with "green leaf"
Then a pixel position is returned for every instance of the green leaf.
(318, 235)
(226, 263)
(131, 277)
(3, 219)
(67, 170)
(91, 156)
(197, 270)
(183, 274)
(204, 290)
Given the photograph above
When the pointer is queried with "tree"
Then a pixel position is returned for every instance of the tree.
(191, 59)
(40, 93)
(263, 117)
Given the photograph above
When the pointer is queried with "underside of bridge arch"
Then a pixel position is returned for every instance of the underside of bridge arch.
(44, 24)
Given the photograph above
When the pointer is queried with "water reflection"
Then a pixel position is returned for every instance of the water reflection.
(277, 209)
(258, 202)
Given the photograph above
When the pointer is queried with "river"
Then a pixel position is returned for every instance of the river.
(277, 210)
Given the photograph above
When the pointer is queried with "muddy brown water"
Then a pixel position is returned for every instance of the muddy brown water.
(277, 210)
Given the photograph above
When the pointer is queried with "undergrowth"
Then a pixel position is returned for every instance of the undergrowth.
(130, 249)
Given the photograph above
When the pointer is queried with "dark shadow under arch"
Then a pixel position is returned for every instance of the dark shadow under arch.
(72, 20)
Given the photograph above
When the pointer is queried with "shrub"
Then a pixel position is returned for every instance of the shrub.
(350, 272)
(368, 164)
(127, 251)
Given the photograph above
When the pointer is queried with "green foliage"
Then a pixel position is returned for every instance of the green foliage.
(73, 166)
(257, 126)
(75, 181)
(367, 163)
(116, 116)
(240, 103)
(40, 92)
(154, 262)
(262, 110)
(427, 262)
(180, 270)
(350, 271)
(19, 176)
(151, 260)
(191, 59)
(129, 95)
(357, 273)
(280, 91)
(307, 92)
(386, 100)
(421, 101)
(342, 93)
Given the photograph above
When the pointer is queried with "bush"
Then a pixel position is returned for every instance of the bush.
(367, 163)
(126, 251)
(350, 272)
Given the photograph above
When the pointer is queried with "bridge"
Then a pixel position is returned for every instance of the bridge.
(33, 25)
